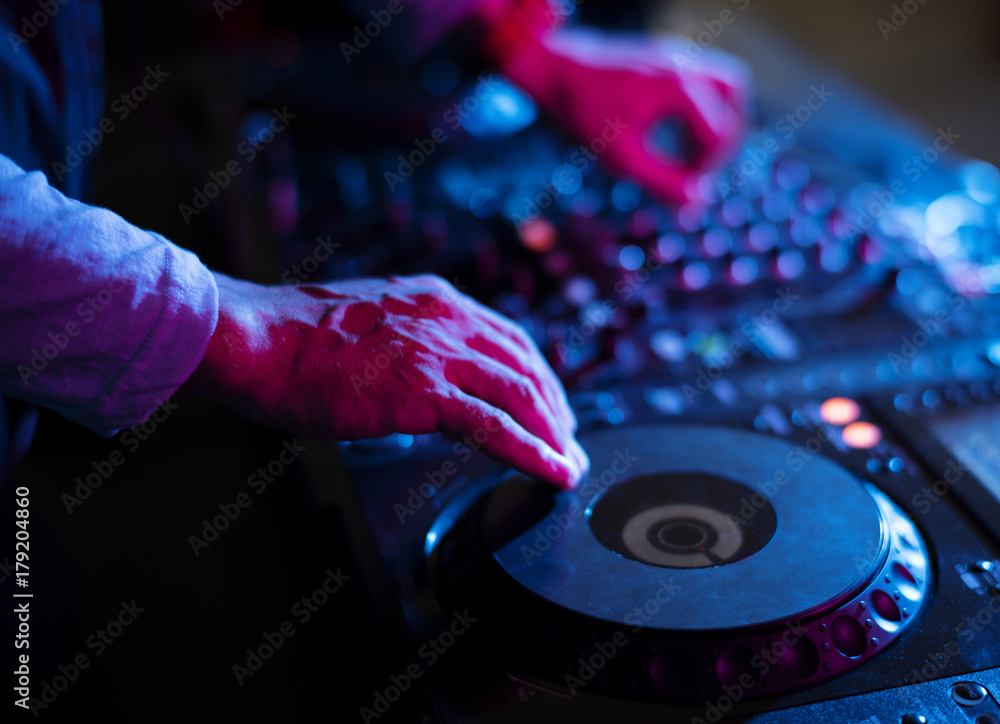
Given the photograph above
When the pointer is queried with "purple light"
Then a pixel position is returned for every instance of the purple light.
(696, 275)
(790, 264)
(743, 270)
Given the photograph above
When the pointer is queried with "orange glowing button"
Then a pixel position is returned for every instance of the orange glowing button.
(839, 411)
(862, 435)
(538, 235)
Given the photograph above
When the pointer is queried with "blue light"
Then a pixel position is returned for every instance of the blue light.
(484, 203)
(743, 270)
(567, 179)
(504, 111)
(631, 257)
(993, 353)
(604, 401)
(909, 281)
(625, 195)
(790, 264)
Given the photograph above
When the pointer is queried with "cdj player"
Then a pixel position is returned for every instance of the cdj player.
(791, 402)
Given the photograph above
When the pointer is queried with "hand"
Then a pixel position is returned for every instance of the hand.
(366, 358)
(617, 90)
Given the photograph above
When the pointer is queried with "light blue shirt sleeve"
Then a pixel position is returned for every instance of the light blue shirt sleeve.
(99, 320)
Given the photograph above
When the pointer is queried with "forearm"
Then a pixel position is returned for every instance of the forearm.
(100, 321)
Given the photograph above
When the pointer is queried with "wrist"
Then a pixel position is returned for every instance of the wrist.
(231, 369)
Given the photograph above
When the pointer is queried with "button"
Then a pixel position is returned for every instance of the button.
(969, 693)
(839, 411)
(668, 345)
(993, 353)
(725, 392)
(895, 465)
(775, 419)
(666, 400)
(862, 435)
(912, 718)
(981, 566)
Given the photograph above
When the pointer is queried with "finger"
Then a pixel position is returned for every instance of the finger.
(506, 441)
(532, 366)
(517, 395)
(631, 156)
(564, 414)
(576, 453)
(523, 354)
(427, 281)
(505, 389)
(713, 119)
(507, 327)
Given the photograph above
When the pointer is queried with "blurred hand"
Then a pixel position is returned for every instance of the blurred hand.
(366, 358)
(634, 92)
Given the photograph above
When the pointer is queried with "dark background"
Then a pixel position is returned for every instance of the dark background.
(129, 540)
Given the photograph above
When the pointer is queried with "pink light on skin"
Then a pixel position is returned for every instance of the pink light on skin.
(612, 91)
(369, 357)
